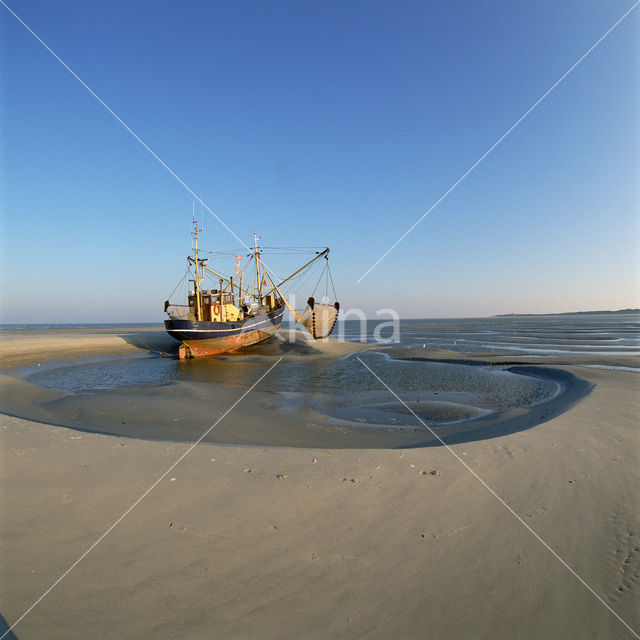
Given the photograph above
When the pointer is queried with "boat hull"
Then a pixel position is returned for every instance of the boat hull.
(212, 338)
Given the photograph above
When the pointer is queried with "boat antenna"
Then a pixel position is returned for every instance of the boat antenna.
(193, 217)
(256, 254)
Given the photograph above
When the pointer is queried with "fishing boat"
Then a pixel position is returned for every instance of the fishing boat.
(244, 309)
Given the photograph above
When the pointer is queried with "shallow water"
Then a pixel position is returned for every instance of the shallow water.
(615, 334)
(344, 376)
(341, 390)
(598, 335)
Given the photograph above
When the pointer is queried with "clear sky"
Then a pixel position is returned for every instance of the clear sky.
(322, 123)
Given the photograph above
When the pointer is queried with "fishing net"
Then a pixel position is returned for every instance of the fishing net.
(319, 318)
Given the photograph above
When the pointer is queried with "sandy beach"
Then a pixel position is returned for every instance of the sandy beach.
(312, 542)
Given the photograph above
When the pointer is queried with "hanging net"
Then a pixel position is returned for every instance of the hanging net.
(319, 318)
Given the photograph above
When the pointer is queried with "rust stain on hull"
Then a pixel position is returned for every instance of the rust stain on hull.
(216, 346)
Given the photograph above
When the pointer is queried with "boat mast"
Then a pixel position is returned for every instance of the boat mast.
(198, 279)
(256, 254)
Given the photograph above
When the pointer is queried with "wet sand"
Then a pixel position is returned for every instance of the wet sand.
(277, 542)
(182, 411)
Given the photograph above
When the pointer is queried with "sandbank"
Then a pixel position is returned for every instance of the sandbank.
(283, 542)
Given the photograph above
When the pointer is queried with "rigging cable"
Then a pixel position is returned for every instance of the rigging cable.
(179, 282)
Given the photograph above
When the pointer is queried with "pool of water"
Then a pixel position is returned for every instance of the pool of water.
(328, 399)
(342, 388)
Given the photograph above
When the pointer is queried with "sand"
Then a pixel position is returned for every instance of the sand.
(265, 542)
(22, 347)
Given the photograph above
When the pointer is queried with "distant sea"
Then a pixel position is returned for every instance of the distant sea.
(613, 334)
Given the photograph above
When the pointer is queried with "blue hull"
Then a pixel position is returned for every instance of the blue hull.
(211, 338)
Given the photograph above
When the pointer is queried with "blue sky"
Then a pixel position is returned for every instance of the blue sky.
(334, 123)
